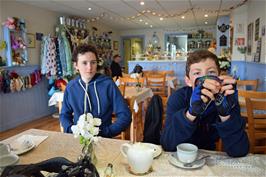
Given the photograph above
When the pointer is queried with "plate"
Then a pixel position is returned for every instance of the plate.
(157, 149)
(9, 159)
(174, 161)
(20, 150)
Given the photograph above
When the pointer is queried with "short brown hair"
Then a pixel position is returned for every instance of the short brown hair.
(198, 56)
(115, 56)
(82, 49)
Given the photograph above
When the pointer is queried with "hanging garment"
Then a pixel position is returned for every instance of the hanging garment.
(153, 121)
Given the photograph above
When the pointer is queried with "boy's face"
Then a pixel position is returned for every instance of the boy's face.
(117, 59)
(207, 67)
(86, 65)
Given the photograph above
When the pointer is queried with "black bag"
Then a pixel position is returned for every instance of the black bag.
(59, 165)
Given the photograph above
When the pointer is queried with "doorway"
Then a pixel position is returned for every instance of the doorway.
(131, 46)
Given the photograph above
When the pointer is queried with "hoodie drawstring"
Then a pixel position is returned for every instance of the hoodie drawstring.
(88, 98)
(97, 97)
(85, 90)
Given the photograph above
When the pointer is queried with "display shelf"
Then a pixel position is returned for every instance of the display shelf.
(16, 44)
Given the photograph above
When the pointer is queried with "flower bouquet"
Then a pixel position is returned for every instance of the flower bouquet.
(87, 129)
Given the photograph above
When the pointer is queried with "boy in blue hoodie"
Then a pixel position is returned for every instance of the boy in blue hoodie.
(195, 113)
(97, 92)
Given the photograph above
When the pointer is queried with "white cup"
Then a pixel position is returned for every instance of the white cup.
(4, 149)
(186, 152)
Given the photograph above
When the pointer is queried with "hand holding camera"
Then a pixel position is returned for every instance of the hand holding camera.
(209, 88)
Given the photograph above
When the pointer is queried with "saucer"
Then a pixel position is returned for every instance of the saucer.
(19, 149)
(174, 161)
(157, 149)
(9, 159)
(139, 174)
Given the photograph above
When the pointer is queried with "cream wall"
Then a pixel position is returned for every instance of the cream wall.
(37, 20)
(245, 15)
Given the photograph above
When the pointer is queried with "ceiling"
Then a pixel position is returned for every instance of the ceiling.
(129, 14)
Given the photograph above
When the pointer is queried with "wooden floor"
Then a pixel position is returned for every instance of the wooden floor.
(45, 123)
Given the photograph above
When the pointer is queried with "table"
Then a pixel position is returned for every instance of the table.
(108, 151)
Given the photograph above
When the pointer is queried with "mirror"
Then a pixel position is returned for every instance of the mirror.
(176, 45)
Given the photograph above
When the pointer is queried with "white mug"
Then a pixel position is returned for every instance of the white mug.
(186, 152)
(4, 149)
(139, 157)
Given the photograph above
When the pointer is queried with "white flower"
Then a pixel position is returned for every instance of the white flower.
(87, 128)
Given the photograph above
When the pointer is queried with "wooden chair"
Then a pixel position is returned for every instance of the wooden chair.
(164, 100)
(166, 72)
(157, 83)
(128, 81)
(256, 101)
(243, 84)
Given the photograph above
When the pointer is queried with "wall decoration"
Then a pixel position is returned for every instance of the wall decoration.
(31, 40)
(115, 45)
(257, 29)
(39, 36)
(240, 41)
(223, 40)
(263, 30)
(250, 38)
(223, 28)
(258, 50)
(240, 28)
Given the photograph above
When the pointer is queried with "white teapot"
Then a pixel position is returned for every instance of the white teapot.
(139, 156)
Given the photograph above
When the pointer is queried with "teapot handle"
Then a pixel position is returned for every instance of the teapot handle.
(124, 148)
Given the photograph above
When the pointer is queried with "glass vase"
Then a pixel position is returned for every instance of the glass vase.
(88, 152)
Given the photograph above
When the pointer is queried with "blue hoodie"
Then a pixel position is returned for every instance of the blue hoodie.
(104, 99)
(205, 130)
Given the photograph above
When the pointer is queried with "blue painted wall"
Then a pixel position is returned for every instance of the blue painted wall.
(25, 106)
(244, 70)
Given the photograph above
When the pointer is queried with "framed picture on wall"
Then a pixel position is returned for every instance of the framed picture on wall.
(249, 38)
(257, 29)
(31, 40)
(115, 45)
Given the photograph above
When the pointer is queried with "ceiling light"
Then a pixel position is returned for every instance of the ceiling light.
(142, 3)
(140, 20)
(206, 23)
(151, 26)
(161, 18)
(153, 13)
(183, 17)
(148, 11)
(89, 9)
(146, 23)
(206, 15)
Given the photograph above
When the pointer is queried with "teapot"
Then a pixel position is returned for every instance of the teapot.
(139, 156)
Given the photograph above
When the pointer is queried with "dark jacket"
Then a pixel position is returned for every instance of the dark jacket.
(205, 130)
(153, 121)
(116, 69)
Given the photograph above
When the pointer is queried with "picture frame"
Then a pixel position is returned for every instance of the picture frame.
(249, 38)
(257, 29)
(115, 45)
(31, 40)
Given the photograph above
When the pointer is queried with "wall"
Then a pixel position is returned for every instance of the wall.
(37, 20)
(245, 15)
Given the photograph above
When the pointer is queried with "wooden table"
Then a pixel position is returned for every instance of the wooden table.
(108, 151)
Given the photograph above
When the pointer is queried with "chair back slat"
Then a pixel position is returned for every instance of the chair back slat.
(243, 84)
(255, 103)
(157, 83)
